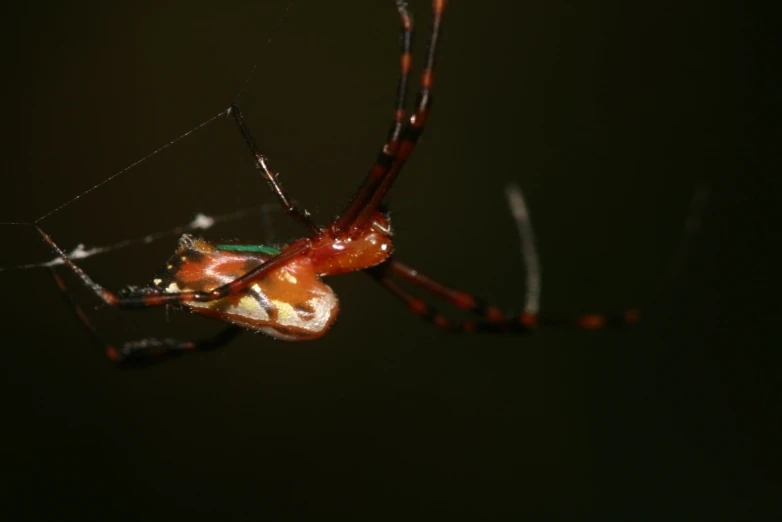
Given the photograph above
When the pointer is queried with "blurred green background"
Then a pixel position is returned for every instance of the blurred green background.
(607, 113)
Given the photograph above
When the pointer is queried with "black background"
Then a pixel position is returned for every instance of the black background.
(607, 114)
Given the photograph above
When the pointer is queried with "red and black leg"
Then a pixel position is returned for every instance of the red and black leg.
(153, 298)
(384, 158)
(403, 137)
(262, 163)
(146, 349)
(492, 318)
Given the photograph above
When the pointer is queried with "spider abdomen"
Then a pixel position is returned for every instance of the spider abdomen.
(290, 303)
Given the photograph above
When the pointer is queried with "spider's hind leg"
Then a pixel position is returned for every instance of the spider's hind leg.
(144, 350)
(490, 317)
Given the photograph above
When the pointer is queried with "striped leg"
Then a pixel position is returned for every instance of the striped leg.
(405, 61)
(262, 163)
(153, 298)
(493, 319)
(402, 139)
(147, 349)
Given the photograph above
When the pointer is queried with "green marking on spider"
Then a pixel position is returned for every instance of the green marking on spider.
(249, 248)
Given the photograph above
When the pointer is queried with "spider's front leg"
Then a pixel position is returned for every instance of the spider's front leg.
(146, 349)
(146, 300)
(262, 164)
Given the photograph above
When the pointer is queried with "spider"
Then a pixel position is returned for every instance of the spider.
(279, 291)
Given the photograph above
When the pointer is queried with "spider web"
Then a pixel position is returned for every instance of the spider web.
(200, 221)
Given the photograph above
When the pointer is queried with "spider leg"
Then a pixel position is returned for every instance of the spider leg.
(493, 318)
(403, 138)
(155, 348)
(529, 251)
(262, 163)
(406, 60)
(148, 299)
(426, 312)
(148, 348)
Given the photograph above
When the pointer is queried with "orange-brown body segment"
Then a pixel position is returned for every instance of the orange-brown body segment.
(289, 303)
(370, 245)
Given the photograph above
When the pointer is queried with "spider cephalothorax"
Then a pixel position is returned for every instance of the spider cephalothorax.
(369, 246)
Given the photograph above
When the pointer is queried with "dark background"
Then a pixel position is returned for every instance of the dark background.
(607, 114)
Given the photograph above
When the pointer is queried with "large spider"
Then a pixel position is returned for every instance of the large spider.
(279, 291)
